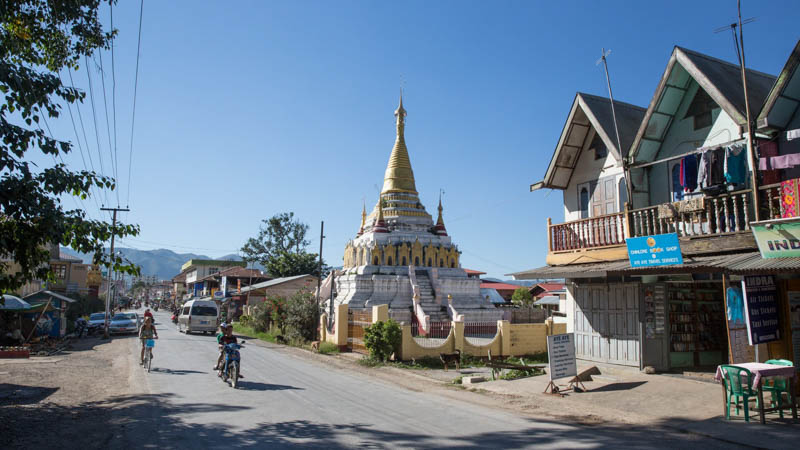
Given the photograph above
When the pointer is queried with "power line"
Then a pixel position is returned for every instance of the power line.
(108, 123)
(114, 100)
(135, 88)
(96, 128)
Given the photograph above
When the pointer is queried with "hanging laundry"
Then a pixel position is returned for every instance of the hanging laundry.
(779, 162)
(790, 195)
(735, 172)
(711, 172)
(689, 173)
(702, 170)
(792, 134)
(765, 151)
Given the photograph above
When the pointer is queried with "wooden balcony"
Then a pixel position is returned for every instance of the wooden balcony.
(703, 225)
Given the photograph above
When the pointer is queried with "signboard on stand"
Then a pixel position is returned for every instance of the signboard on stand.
(794, 320)
(561, 356)
(761, 309)
(656, 250)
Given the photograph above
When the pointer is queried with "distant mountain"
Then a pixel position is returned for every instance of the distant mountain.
(162, 263)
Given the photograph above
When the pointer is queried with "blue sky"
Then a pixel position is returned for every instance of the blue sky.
(247, 111)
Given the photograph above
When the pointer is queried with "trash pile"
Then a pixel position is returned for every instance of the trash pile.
(47, 346)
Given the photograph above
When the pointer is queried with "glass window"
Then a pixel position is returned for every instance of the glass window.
(700, 109)
(622, 194)
(204, 311)
(60, 271)
(599, 147)
(584, 202)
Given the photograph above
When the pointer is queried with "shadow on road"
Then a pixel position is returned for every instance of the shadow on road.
(256, 386)
(15, 394)
(174, 372)
(618, 386)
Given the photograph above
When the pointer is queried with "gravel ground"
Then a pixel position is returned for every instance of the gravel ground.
(58, 401)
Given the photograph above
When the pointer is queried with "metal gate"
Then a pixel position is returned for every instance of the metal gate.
(607, 323)
(357, 320)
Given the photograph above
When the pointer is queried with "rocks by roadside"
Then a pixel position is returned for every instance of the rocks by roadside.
(59, 400)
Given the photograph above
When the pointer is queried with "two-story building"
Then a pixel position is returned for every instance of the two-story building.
(197, 269)
(683, 167)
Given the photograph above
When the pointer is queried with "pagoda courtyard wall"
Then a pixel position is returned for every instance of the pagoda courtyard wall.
(510, 339)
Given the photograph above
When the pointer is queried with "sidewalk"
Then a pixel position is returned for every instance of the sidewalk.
(632, 397)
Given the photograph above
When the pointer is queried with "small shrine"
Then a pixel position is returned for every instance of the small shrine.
(402, 258)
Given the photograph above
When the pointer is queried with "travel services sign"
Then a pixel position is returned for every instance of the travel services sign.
(656, 250)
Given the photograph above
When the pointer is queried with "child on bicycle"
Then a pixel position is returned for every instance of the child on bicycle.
(148, 331)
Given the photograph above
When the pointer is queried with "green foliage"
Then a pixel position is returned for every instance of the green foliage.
(382, 339)
(522, 297)
(302, 315)
(38, 39)
(458, 380)
(327, 348)
(369, 361)
(245, 320)
(281, 247)
(250, 332)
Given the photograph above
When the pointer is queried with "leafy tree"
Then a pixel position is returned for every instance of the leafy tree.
(382, 339)
(39, 38)
(281, 247)
(522, 297)
(302, 314)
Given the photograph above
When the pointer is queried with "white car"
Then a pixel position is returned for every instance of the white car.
(127, 322)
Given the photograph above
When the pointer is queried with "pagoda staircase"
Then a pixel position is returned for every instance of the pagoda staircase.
(427, 298)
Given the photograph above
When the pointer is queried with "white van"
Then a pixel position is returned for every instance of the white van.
(198, 315)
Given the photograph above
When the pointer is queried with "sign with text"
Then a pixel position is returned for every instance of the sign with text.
(656, 250)
(561, 353)
(761, 309)
(778, 240)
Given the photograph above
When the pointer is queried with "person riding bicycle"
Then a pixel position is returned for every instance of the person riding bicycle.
(148, 331)
(147, 314)
(227, 338)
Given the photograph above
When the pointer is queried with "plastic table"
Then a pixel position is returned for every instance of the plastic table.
(761, 371)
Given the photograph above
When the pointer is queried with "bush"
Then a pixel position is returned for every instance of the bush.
(328, 347)
(382, 339)
(245, 320)
(300, 319)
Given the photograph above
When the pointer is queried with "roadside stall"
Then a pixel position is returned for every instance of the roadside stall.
(11, 336)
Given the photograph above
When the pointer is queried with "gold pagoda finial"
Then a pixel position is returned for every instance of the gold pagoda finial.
(440, 221)
(363, 214)
(399, 177)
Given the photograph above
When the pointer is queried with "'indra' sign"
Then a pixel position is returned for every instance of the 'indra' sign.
(761, 309)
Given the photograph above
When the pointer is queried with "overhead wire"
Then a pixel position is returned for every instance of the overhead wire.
(108, 123)
(114, 100)
(50, 132)
(135, 89)
(96, 128)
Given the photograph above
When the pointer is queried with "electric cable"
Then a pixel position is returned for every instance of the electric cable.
(135, 89)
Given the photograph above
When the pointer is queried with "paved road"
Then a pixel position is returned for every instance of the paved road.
(287, 401)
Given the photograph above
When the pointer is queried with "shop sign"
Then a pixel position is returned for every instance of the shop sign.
(761, 309)
(656, 250)
(561, 353)
(778, 240)
(223, 285)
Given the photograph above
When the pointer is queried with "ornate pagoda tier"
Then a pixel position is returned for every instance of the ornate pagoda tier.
(400, 257)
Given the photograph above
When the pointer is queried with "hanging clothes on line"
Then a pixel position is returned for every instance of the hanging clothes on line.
(711, 172)
(779, 162)
(765, 151)
(735, 171)
(689, 173)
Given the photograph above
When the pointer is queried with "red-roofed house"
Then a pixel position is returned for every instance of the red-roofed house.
(544, 289)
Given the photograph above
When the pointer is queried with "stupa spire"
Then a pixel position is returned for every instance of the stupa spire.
(399, 177)
(380, 225)
(363, 218)
(439, 228)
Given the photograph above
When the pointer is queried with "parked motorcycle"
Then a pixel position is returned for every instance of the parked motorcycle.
(230, 369)
(175, 318)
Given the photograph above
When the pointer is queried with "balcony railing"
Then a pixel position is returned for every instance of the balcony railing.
(594, 232)
(727, 213)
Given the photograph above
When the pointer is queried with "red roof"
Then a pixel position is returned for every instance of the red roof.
(500, 286)
(474, 272)
(549, 287)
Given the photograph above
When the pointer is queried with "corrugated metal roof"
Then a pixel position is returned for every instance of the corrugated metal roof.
(269, 283)
(548, 300)
(781, 103)
(494, 297)
(735, 264)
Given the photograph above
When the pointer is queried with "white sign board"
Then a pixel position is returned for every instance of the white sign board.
(223, 286)
(561, 353)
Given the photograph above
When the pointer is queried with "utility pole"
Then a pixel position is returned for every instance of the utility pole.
(751, 152)
(319, 272)
(111, 253)
(603, 55)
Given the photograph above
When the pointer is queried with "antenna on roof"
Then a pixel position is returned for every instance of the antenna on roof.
(603, 55)
(732, 27)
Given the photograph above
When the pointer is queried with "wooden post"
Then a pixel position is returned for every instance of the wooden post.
(725, 282)
(549, 235)
(30, 335)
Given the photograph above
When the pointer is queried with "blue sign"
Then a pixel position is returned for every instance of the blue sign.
(657, 250)
(761, 309)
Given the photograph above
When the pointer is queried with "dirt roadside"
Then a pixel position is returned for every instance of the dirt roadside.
(63, 398)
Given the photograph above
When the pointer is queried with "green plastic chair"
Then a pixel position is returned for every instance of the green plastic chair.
(739, 386)
(778, 386)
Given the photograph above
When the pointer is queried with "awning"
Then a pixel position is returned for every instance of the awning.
(12, 303)
(45, 294)
(733, 264)
(548, 300)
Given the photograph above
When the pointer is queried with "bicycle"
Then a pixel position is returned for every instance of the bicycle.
(148, 354)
